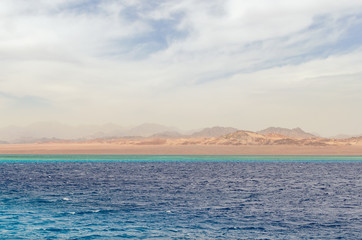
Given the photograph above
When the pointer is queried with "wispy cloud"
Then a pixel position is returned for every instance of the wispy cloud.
(141, 61)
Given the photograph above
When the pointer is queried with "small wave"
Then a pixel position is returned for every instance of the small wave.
(95, 211)
(41, 201)
(60, 230)
(93, 236)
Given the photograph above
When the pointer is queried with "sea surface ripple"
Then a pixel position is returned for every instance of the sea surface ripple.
(180, 200)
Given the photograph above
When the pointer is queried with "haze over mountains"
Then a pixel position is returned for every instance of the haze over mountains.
(53, 131)
(214, 132)
(44, 131)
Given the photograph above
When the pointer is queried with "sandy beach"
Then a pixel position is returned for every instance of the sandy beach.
(105, 149)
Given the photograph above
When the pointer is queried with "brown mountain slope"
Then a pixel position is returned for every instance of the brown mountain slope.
(294, 133)
(252, 138)
(242, 138)
(214, 132)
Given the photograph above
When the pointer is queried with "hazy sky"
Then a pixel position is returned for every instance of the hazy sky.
(191, 64)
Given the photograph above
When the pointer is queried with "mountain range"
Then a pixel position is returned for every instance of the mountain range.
(44, 131)
(56, 132)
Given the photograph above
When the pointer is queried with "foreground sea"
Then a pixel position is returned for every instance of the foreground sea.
(180, 197)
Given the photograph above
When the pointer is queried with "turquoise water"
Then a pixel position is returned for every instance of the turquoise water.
(175, 158)
(180, 197)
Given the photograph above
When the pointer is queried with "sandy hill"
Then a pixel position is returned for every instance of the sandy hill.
(254, 138)
(294, 133)
(155, 134)
(242, 138)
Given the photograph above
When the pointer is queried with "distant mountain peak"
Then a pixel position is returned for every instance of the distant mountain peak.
(214, 132)
(295, 132)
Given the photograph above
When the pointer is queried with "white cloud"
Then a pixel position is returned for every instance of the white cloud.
(233, 60)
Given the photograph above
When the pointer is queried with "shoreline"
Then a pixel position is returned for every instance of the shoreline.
(117, 149)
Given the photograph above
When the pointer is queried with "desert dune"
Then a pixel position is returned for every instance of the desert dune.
(194, 149)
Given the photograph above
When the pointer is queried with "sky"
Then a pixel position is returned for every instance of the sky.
(189, 64)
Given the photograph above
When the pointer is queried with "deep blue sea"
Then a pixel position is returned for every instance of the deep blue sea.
(180, 197)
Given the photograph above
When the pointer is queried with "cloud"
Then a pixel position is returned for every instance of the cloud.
(138, 60)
